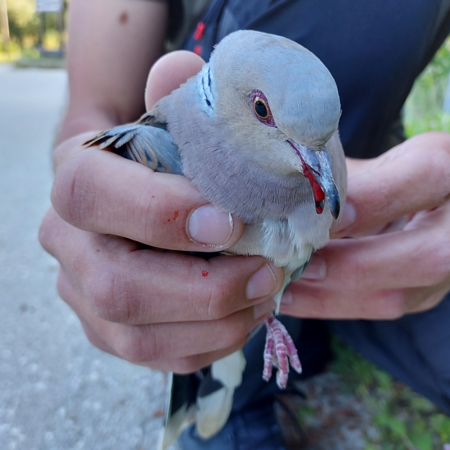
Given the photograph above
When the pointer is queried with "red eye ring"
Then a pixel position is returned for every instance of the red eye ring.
(261, 108)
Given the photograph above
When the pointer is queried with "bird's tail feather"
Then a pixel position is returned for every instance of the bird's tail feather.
(205, 398)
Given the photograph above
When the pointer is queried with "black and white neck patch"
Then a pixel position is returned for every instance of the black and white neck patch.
(206, 90)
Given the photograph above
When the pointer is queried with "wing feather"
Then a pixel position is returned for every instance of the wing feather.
(146, 142)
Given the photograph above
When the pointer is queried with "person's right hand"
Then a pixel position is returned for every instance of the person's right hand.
(165, 310)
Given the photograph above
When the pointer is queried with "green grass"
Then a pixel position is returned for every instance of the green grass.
(404, 419)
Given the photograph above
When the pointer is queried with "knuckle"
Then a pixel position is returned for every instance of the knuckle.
(186, 365)
(139, 345)
(73, 192)
(440, 166)
(63, 287)
(212, 299)
(440, 263)
(47, 233)
(58, 155)
(150, 225)
(442, 174)
(93, 339)
(235, 329)
(217, 302)
(392, 305)
(434, 259)
(108, 293)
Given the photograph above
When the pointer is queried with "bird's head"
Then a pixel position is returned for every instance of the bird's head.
(281, 104)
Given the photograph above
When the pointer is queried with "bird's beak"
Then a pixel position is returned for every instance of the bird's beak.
(316, 167)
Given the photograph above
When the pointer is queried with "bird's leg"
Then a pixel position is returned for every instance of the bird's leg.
(268, 354)
(279, 346)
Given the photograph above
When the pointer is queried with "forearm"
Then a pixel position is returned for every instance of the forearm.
(112, 45)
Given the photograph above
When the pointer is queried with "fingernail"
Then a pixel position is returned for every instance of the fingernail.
(347, 219)
(263, 308)
(316, 270)
(207, 225)
(286, 299)
(262, 283)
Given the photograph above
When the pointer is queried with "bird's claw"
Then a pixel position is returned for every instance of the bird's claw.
(279, 346)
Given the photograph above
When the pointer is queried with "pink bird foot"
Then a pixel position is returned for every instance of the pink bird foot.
(279, 346)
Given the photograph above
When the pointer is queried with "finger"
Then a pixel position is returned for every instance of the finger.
(401, 259)
(187, 364)
(127, 284)
(312, 302)
(411, 177)
(169, 72)
(192, 363)
(101, 192)
(161, 342)
(426, 298)
(95, 339)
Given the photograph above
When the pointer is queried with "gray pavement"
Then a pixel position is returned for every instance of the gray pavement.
(56, 390)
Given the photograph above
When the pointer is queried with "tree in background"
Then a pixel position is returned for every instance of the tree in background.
(28, 29)
(4, 23)
(23, 22)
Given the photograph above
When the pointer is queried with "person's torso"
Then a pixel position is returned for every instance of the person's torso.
(374, 50)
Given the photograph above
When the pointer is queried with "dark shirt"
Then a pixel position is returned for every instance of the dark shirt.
(374, 49)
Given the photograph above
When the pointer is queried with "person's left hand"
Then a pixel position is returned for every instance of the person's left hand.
(398, 259)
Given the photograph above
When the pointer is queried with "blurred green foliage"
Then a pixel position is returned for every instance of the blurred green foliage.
(23, 22)
(404, 419)
(423, 108)
(24, 26)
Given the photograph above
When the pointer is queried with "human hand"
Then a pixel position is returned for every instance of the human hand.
(399, 261)
(165, 310)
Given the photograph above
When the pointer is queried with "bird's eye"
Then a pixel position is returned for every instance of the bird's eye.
(261, 108)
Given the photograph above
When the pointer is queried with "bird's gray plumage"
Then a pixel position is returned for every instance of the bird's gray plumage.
(284, 175)
(146, 142)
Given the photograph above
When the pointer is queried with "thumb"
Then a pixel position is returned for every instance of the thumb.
(168, 73)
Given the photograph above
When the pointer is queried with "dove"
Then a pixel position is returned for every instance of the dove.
(256, 132)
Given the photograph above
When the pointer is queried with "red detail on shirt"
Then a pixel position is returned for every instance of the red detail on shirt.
(198, 50)
(199, 31)
(205, 274)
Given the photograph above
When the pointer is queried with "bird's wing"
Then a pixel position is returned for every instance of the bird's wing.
(146, 142)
